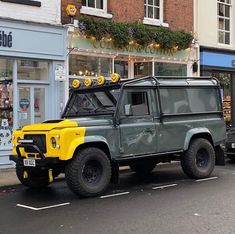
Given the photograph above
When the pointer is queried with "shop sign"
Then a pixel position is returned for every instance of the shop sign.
(24, 104)
(5, 39)
(233, 63)
(60, 73)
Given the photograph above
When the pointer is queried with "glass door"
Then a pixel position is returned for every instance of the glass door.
(31, 104)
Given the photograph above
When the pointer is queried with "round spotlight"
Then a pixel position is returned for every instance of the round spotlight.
(101, 80)
(88, 82)
(115, 77)
(76, 84)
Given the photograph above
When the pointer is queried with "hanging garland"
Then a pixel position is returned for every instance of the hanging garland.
(123, 35)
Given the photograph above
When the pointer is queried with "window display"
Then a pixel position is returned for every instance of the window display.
(6, 103)
(80, 65)
(225, 79)
(6, 113)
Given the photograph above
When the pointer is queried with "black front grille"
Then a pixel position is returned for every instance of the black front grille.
(39, 140)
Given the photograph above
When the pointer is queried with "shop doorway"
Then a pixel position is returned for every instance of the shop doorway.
(31, 104)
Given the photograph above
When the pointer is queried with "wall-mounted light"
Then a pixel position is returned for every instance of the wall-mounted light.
(195, 66)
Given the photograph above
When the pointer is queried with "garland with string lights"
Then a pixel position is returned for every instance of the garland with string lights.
(123, 35)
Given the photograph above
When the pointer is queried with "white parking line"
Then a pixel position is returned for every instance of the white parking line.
(210, 178)
(43, 208)
(165, 186)
(114, 195)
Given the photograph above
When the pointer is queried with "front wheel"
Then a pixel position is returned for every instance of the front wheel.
(88, 174)
(33, 178)
(199, 160)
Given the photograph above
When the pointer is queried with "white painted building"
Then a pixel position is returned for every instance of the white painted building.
(214, 26)
(33, 50)
(44, 11)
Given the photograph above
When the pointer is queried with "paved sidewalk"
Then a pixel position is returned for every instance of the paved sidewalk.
(8, 177)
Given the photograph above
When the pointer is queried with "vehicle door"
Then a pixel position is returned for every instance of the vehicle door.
(137, 128)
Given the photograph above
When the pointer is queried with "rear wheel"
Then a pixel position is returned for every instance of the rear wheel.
(33, 178)
(142, 167)
(89, 172)
(199, 160)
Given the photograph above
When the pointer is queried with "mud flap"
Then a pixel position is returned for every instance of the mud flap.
(115, 173)
(219, 156)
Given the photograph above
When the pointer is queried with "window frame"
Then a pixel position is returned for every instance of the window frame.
(135, 90)
(96, 11)
(153, 21)
(224, 18)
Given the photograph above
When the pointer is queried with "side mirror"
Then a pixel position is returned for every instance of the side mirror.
(128, 110)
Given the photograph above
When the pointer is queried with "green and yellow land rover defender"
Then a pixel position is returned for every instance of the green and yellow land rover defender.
(139, 123)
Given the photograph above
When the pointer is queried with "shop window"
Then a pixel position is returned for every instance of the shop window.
(95, 7)
(84, 66)
(121, 67)
(224, 21)
(170, 69)
(225, 83)
(153, 11)
(32, 70)
(6, 103)
(142, 69)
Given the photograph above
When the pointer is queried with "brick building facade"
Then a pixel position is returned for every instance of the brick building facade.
(92, 60)
(32, 45)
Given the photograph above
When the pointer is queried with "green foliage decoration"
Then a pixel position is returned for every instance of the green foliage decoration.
(123, 34)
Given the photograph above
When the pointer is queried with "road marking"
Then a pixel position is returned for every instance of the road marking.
(210, 178)
(165, 186)
(114, 195)
(43, 208)
(196, 214)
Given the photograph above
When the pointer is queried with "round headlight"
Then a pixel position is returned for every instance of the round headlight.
(53, 142)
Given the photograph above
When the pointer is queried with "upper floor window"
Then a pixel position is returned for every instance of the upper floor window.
(93, 3)
(153, 13)
(152, 9)
(96, 8)
(224, 21)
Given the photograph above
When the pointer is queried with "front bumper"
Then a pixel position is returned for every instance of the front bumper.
(40, 161)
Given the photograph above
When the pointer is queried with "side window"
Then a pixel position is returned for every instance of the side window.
(174, 101)
(204, 100)
(138, 100)
(190, 100)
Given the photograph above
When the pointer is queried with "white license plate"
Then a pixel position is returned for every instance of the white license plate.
(29, 163)
(233, 145)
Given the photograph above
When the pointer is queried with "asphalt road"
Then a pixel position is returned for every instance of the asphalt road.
(164, 202)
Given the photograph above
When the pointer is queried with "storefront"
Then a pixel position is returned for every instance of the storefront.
(221, 64)
(89, 58)
(32, 71)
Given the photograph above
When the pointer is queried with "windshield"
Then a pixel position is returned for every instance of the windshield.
(92, 102)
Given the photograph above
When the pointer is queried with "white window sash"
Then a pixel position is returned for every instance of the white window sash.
(97, 12)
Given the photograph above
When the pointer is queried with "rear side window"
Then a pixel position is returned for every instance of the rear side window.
(190, 100)
(204, 100)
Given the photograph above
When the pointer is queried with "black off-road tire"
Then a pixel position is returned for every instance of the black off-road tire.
(142, 167)
(36, 178)
(199, 160)
(89, 172)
